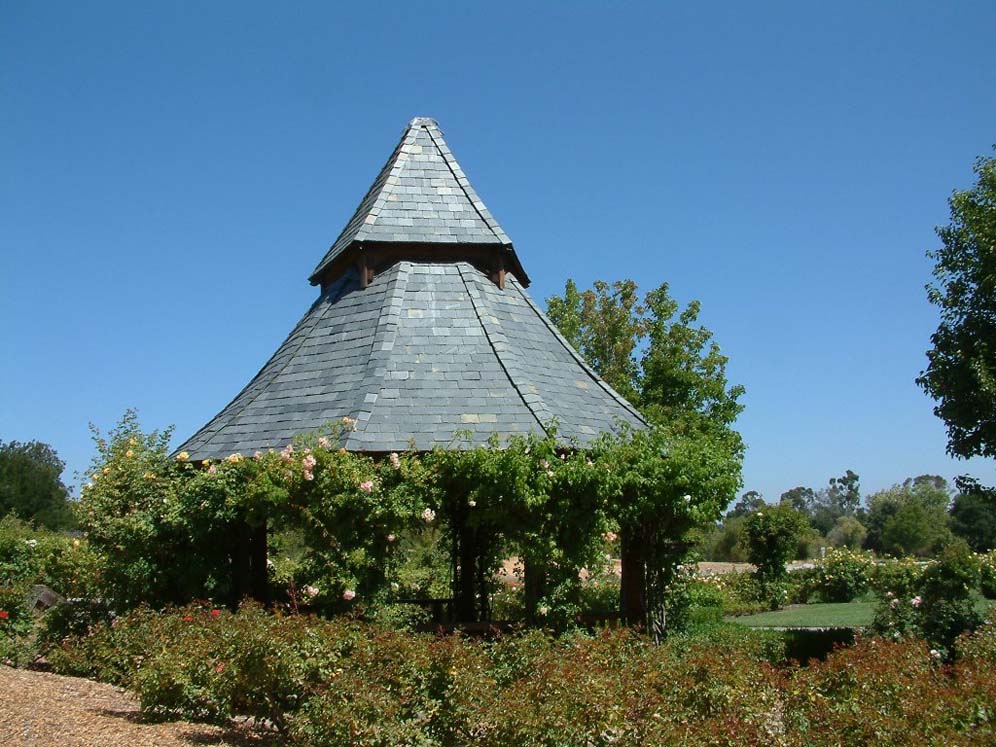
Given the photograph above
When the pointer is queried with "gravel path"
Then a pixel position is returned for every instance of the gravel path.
(38, 709)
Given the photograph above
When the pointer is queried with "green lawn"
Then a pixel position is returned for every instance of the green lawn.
(843, 615)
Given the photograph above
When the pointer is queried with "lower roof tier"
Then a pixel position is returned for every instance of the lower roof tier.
(426, 351)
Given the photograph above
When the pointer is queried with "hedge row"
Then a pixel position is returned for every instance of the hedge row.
(344, 683)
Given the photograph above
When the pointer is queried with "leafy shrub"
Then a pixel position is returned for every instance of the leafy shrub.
(773, 534)
(741, 592)
(30, 556)
(902, 577)
(346, 683)
(843, 575)
(943, 607)
(16, 625)
(980, 645)
(987, 574)
(883, 693)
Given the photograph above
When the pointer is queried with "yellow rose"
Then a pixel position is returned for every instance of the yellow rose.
(129, 453)
(182, 456)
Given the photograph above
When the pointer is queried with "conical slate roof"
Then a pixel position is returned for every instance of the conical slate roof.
(420, 196)
(420, 350)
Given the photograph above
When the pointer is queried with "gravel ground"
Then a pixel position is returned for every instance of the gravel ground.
(38, 709)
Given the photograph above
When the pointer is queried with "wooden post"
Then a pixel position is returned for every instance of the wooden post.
(466, 580)
(632, 586)
(258, 578)
(361, 266)
(240, 556)
(534, 585)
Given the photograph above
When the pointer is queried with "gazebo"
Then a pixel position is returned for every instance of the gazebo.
(422, 329)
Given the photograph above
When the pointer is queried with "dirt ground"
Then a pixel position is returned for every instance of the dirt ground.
(38, 709)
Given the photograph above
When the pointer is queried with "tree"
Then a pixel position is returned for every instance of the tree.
(682, 371)
(961, 368)
(773, 535)
(679, 384)
(973, 515)
(910, 518)
(604, 324)
(680, 375)
(749, 502)
(825, 507)
(800, 498)
(31, 485)
(847, 532)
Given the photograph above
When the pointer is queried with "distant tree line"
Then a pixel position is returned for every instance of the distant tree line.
(920, 516)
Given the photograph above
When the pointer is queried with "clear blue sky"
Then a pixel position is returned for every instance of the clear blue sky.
(170, 174)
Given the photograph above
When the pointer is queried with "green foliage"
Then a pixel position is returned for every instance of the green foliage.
(740, 591)
(987, 574)
(943, 608)
(680, 376)
(342, 683)
(346, 533)
(843, 575)
(847, 532)
(773, 535)
(605, 324)
(909, 519)
(727, 542)
(961, 368)
(28, 557)
(902, 577)
(168, 531)
(973, 515)
(31, 485)
(825, 508)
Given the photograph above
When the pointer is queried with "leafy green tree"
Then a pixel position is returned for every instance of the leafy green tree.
(670, 368)
(31, 485)
(682, 371)
(910, 518)
(605, 324)
(800, 498)
(654, 353)
(825, 507)
(961, 368)
(844, 493)
(847, 532)
(727, 542)
(773, 535)
(749, 502)
(973, 515)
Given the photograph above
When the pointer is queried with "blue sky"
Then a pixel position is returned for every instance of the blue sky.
(172, 173)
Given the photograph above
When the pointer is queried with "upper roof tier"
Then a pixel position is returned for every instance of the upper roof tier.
(421, 197)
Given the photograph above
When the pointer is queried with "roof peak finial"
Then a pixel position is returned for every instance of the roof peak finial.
(423, 122)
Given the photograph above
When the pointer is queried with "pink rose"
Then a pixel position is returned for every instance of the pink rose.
(349, 595)
(367, 486)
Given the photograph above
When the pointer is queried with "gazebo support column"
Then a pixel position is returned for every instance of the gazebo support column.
(259, 587)
(534, 585)
(465, 581)
(249, 574)
(632, 586)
